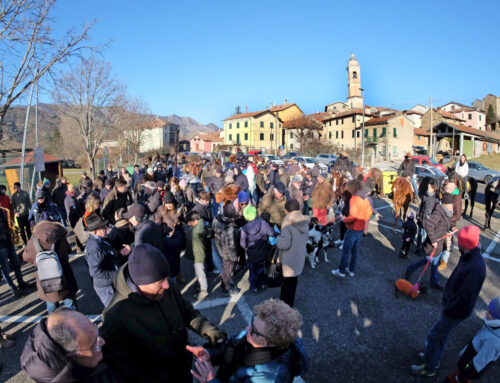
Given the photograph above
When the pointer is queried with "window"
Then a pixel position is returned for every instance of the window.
(353, 133)
(479, 117)
(329, 123)
(354, 118)
(230, 137)
(237, 125)
(366, 133)
(291, 135)
(384, 131)
(463, 117)
(342, 121)
(395, 132)
(246, 136)
(336, 122)
(238, 138)
(357, 134)
(470, 116)
(394, 151)
(342, 134)
(419, 137)
(354, 75)
(230, 126)
(291, 146)
(271, 124)
(374, 134)
(246, 124)
(272, 137)
(330, 135)
(262, 136)
(262, 124)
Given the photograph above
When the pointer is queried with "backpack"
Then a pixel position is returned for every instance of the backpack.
(50, 272)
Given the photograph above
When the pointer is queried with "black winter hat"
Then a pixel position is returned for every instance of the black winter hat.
(169, 198)
(146, 264)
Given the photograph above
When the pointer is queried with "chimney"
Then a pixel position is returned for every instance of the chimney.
(284, 101)
(246, 109)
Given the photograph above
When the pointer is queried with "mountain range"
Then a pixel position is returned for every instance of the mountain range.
(49, 118)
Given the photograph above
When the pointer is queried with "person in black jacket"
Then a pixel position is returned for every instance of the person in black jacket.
(241, 179)
(120, 234)
(145, 231)
(407, 170)
(427, 205)
(65, 347)
(459, 299)
(101, 259)
(491, 194)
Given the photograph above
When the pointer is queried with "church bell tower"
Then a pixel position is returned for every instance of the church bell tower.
(354, 99)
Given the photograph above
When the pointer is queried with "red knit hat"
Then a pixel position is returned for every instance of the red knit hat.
(468, 237)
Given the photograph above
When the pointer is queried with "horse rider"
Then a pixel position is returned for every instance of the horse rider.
(343, 164)
(407, 170)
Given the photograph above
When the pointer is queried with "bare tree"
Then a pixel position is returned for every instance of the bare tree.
(131, 125)
(28, 47)
(92, 100)
(304, 128)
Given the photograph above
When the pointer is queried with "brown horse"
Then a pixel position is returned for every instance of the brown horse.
(339, 179)
(378, 178)
(402, 195)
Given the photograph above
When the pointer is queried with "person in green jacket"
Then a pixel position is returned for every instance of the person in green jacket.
(145, 324)
(197, 234)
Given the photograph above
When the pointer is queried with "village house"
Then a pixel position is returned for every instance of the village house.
(159, 135)
(205, 142)
(390, 137)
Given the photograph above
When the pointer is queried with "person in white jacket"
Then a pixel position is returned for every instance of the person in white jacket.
(462, 170)
(250, 174)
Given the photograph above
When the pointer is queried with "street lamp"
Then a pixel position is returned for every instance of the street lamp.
(363, 130)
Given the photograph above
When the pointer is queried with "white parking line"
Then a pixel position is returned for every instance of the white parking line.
(387, 227)
(491, 247)
(383, 207)
(35, 319)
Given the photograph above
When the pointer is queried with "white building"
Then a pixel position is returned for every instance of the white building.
(160, 135)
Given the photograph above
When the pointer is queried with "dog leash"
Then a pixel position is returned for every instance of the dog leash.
(415, 286)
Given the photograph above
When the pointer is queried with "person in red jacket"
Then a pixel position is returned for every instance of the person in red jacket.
(360, 211)
(5, 201)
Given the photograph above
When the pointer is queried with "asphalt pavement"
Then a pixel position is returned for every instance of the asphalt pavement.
(355, 329)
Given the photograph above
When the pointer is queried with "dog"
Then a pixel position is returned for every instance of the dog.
(320, 237)
(407, 288)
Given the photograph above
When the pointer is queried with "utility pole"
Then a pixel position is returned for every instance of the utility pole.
(23, 153)
(363, 131)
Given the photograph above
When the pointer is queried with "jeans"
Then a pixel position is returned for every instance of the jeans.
(350, 250)
(216, 257)
(421, 236)
(68, 303)
(62, 213)
(257, 274)
(199, 270)
(343, 229)
(6, 254)
(436, 340)
(414, 184)
(215, 207)
(434, 268)
(105, 294)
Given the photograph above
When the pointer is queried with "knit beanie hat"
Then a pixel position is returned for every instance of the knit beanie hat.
(292, 205)
(243, 197)
(250, 212)
(169, 198)
(494, 308)
(468, 237)
(146, 264)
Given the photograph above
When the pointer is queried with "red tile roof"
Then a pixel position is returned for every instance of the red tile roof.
(349, 112)
(381, 120)
(305, 122)
(411, 111)
(444, 113)
(29, 159)
(247, 115)
(476, 132)
(421, 132)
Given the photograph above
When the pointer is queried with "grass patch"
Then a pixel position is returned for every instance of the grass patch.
(74, 175)
(491, 161)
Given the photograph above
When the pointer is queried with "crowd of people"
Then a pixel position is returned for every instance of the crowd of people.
(222, 215)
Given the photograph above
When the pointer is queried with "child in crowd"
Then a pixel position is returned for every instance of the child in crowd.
(409, 232)
(482, 350)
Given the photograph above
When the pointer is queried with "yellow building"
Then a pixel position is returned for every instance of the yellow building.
(344, 129)
(261, 130)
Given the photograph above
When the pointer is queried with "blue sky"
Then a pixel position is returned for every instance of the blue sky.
(201, 59)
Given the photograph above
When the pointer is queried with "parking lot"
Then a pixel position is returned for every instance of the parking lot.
(355, 330)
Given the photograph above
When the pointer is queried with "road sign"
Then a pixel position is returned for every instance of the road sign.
(39, 159)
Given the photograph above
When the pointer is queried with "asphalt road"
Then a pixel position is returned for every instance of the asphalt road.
(355, 330)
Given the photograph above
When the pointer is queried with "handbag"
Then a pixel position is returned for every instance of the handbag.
(275, 272)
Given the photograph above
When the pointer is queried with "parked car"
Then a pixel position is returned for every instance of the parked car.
(426, 160)
(420, 150)
(68, 164)
(309, 162)
(289, 155)
(326, 158)
(422, 171)
(254, 152)
(272, 159)
(481, 173)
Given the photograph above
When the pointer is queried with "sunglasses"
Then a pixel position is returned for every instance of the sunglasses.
(253, 330)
